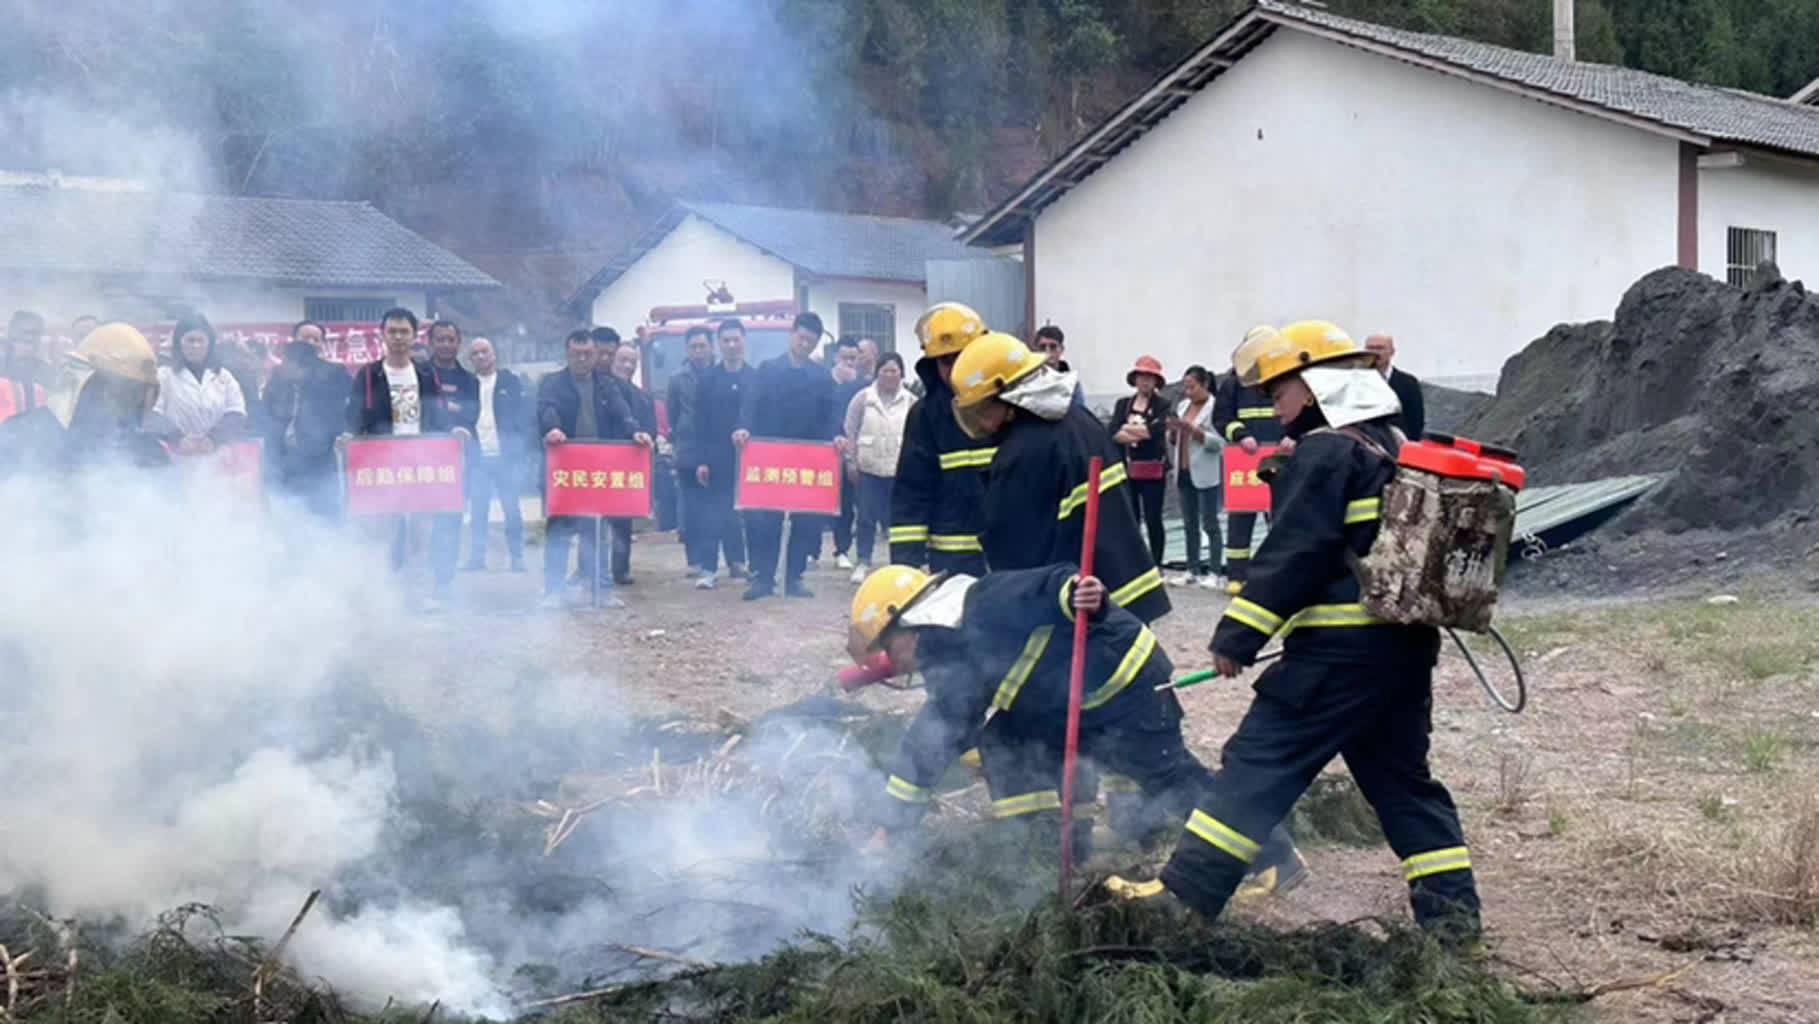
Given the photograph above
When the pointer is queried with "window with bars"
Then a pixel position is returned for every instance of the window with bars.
(1745, 250)
(867, 320)
(343, 310)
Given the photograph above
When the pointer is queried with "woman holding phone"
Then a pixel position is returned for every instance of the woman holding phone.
(1140, 424)
(1194, 451)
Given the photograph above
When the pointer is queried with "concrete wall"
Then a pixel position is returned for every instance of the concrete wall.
(671, 275)
(908, 299)
(1317, 180)
(1767, 195)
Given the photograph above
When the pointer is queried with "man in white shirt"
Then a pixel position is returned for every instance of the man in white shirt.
(496, 458)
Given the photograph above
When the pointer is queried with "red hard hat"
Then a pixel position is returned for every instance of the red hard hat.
(1145, 364)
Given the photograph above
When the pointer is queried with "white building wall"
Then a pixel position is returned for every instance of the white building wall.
(671, 275)
(62, 299)
(1317, 180)
(1767, 195)
(908, 299)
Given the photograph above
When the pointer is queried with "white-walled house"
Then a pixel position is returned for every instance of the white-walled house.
(117, 250)
(1462, 196)
(864, 275)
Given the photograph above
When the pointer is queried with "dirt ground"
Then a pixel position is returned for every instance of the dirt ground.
(1632, 829)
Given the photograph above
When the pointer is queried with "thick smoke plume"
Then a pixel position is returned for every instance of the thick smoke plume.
(208, 701)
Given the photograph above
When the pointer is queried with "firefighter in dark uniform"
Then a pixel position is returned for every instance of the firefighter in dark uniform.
(1035, 508)
(1347, 684)
(1002, 643)
(95, 411)
(938, 498)
(1243, 416)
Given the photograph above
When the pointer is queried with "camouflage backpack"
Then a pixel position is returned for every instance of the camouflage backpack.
(1443, 536)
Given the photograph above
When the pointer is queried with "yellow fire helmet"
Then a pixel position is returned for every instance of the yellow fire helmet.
(1244, 357)
(1296, 347)
(118, 349)
(990, 365)
(948, 327)
(880, 599)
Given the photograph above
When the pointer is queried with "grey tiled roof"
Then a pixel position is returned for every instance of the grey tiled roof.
(839, 244)
(1719, 114)
(293, 241)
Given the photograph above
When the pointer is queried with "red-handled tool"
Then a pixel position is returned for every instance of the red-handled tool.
(1076, 680)
(875, 669)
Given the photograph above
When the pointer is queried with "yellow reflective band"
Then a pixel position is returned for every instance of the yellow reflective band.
(908, 534)
(1421, 865)
(1222, 835)
(1067, 600)
(1141, 584)
(1231, 430)
(955, 542)
(1239, 554)
(968, 458)
(1257, 412)
(1109, 478)
(1254, 615)
(1363, 510)
(1134, 660)
(1330, 616)
(907, 791)
(1028, 803)
(1119, 784)
(1021, 669)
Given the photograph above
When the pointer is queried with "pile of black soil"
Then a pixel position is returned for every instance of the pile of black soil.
(1714, 384)
(1449, 409)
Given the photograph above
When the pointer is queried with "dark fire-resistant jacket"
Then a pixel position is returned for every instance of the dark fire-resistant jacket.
(1241, 412)
(1325, 501)
(1010, 655)
(1035, 508)
(938, 497)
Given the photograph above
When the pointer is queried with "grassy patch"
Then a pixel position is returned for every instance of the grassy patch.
(1753, 640)
(1763, 750)
(1333, 810)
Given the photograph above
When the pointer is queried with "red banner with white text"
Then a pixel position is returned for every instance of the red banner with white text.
(1244, 492)
(789, 476)
(399, 475)
(598, 478)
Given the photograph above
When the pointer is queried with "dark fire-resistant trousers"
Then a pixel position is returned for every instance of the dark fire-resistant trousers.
(1022, 759)
(1239, 526)
(1377, 717)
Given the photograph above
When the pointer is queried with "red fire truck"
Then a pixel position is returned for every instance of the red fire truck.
(767, 329)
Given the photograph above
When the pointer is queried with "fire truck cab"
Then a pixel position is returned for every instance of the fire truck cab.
(662, 349)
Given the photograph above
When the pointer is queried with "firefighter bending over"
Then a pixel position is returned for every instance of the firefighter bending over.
(1001, 643)
(938, 498)
(96, 409)
(1243, 415)
(1347, 684)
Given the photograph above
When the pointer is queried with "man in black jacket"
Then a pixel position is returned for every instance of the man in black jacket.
(706, 451)
(1412, 421)
(397, 396)
(792, 399)
(305, 407)
(679, 402)
(578, 402)
(496, 460)
(643, 411)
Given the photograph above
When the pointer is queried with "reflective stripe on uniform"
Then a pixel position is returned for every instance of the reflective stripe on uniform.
(954, 543)
(968, 458)
(1237, 554)
(1364, 510)
(1134, 660)
(1257, 412)
(1020, 670)
(1421, 865)
(1254, 615)
(1108, 479)
(908, 534)
(1140, 584)
(907, 791)
(1223, 836)
(1028, 803)
(1119, 784)
(1330, 616)
(1231, 430)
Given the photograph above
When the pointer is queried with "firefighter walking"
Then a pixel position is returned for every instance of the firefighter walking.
(1000, 643)
(1347, 684)
(1243, 415)
(938, 499)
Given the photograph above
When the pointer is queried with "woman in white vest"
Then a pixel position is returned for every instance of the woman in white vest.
(200, 405)
(874, 437)
(1194, 453)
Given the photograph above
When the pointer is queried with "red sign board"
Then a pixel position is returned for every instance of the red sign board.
(598, 478)
(389, 476)
(789, 476)
(1243, 491)
(239, 463)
